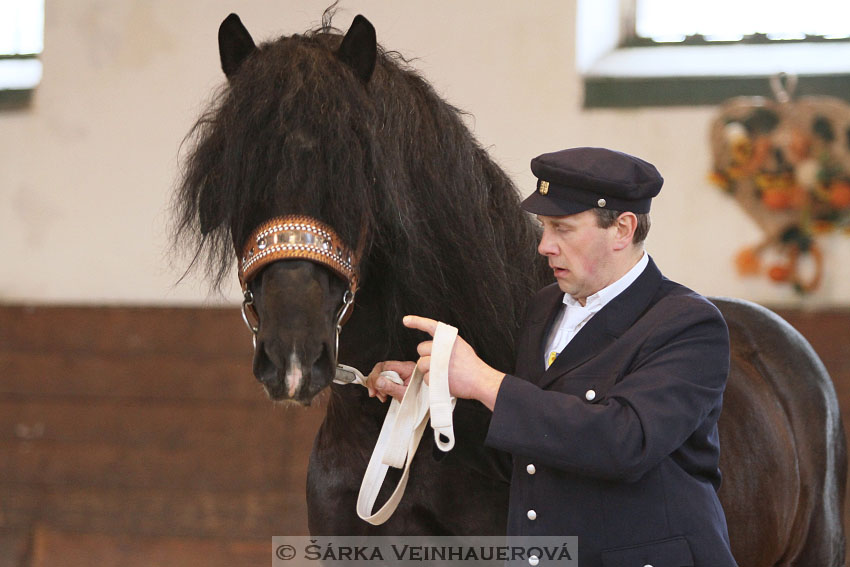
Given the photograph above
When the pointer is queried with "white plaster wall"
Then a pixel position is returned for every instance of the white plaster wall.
(87, 171)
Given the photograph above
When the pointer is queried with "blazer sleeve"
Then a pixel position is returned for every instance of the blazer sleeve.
(676, 381)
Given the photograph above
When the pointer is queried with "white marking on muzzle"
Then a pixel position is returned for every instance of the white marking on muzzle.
(293, 374)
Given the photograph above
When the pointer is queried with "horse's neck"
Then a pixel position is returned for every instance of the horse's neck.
(364, 339)
(371, 337)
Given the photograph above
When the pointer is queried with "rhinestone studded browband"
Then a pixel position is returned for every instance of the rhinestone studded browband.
(296, 237)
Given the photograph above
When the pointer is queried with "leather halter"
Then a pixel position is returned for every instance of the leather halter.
(297, 237)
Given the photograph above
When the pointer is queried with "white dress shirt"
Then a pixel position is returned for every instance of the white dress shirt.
(574, 315)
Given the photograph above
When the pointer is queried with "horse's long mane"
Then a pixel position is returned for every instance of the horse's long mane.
(295, 131)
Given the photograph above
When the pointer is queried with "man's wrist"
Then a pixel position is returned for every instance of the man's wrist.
(489, 387)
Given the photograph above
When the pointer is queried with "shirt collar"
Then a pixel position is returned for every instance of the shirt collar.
(599, 299)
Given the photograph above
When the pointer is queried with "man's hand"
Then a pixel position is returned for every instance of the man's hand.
(469, 376)
(381, 387)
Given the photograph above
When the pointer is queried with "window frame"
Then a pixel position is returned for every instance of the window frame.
(20, 74)
(618, 74)
(631, 38)
(19, 95)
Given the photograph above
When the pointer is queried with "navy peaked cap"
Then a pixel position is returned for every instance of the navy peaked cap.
(578, 179)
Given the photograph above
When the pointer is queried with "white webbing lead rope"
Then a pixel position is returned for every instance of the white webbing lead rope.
(405, 423)
(441, 401)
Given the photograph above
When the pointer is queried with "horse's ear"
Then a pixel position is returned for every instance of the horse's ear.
(234, 44)
(359, 48)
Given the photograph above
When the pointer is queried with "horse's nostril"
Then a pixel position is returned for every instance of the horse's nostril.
(264, 369)
(323, 366)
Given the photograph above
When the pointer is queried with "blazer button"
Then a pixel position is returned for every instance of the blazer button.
(532, 515)
(533, 560)
(530, 469)
(589, 396)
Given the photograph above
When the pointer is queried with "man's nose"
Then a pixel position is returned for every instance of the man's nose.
(547, 246)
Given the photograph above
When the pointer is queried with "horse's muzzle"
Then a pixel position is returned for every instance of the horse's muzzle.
(296, 377)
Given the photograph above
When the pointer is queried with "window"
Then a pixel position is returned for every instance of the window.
(727, 21)
(670, 52)
(21, 42)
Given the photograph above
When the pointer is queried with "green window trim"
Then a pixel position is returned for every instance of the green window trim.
(698, 75)
(631, 92)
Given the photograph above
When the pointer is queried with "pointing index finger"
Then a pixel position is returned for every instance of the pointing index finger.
(420, 323)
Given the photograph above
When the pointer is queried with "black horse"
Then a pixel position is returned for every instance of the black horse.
(334, 128)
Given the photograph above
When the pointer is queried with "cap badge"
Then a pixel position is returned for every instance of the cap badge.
(544, 187)
(601, 202)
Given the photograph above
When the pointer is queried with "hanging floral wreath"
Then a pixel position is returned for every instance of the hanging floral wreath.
(787, 162)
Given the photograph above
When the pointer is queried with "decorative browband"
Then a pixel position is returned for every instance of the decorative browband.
(296, 237)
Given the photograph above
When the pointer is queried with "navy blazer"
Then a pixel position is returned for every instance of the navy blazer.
(617, 442)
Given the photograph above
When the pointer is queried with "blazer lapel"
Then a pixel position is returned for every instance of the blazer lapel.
(607, 325)
(545, 310)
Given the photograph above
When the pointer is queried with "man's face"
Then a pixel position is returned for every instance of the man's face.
(580, 253)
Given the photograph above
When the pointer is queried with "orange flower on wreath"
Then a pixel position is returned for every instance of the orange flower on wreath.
(839, 194)
(779, 273)
(776, 198)
(747, 262)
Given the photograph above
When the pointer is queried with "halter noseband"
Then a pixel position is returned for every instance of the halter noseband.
(296, 237)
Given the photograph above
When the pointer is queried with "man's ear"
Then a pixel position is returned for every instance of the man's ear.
(626, 224)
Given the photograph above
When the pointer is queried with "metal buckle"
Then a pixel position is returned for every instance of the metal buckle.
(248, 302)
(342, 315)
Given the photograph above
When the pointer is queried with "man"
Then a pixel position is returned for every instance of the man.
(611, 413)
